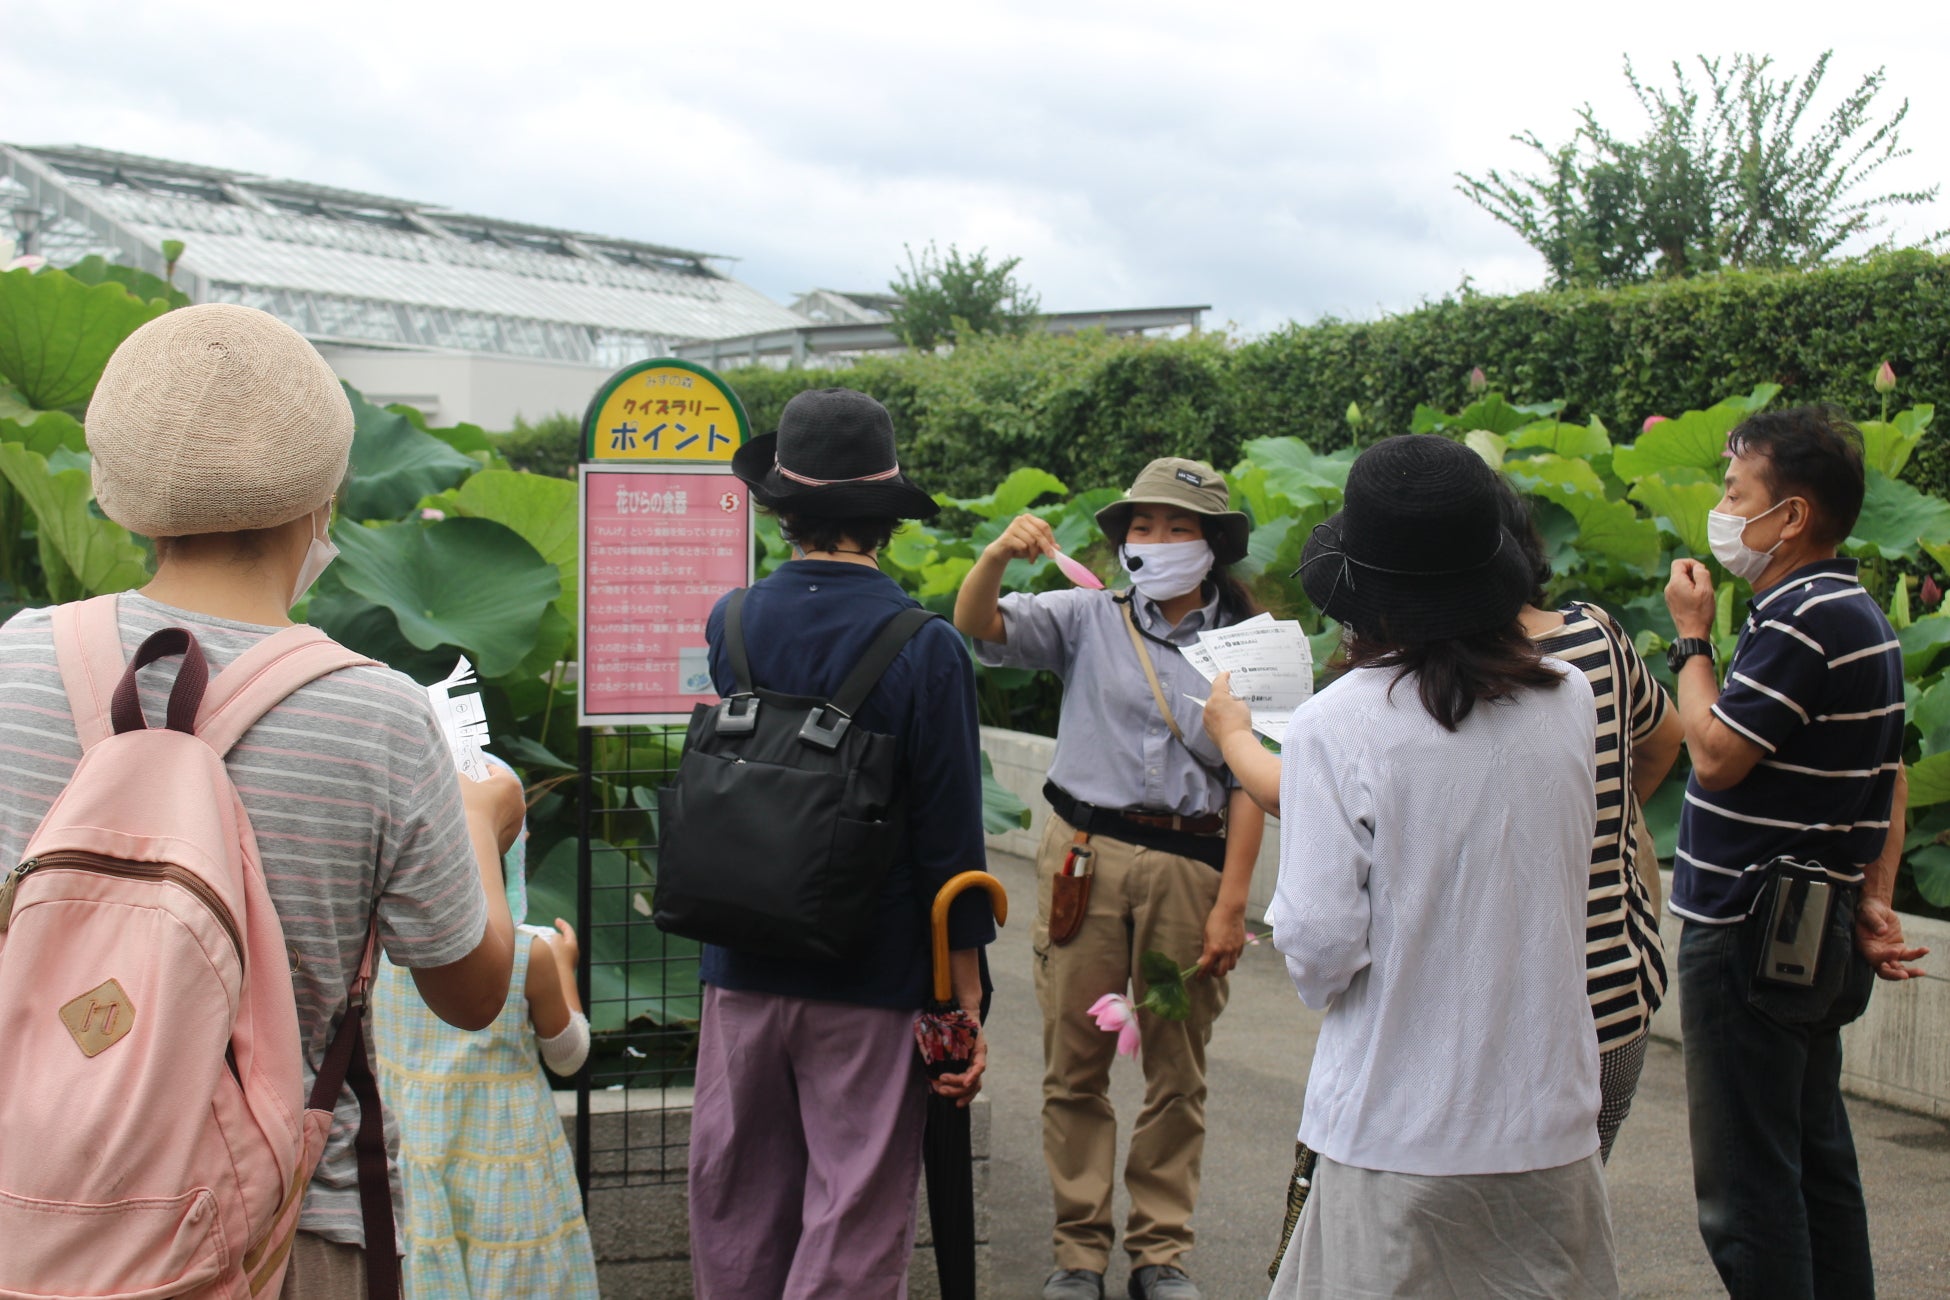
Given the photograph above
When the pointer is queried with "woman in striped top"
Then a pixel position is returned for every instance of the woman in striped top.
(1639, 735)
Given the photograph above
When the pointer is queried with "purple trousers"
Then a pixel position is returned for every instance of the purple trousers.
(805, 1149)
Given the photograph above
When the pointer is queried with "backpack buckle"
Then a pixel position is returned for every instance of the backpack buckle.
(736, 721)
(822, 735)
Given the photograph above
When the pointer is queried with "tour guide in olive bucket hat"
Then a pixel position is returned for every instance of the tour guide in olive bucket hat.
(1418, 551)
(1184, 485)
(216, 419)
(832, 457)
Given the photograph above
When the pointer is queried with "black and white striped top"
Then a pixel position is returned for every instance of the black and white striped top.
(1625, 969)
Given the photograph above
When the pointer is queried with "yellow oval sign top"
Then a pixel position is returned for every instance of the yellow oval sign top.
(664, 411)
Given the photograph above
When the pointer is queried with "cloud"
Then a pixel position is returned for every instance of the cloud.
(1275, 161)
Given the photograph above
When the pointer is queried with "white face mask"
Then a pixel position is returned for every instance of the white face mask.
(318, 556)
(1726, 534)
(1166, 570)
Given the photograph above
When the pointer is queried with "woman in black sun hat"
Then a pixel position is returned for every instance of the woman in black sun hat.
(1438, 809)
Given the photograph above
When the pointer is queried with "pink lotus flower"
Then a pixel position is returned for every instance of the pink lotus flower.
(1115, 1015)
(1478, 381)
(1651, 420)
(1931, 594)
(1885, 378)
(25, 262)
(433, 516)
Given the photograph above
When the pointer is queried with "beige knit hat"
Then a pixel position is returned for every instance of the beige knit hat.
(216, 419)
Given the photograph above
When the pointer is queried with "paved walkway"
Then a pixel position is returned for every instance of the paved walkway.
(1259, 1058)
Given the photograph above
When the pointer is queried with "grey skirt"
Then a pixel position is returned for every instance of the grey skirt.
(1365, 1235)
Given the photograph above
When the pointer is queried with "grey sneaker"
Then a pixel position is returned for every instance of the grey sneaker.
(1073, 1284)
(1162, 1282)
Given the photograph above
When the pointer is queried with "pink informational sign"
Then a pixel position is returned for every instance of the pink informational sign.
(660, 544)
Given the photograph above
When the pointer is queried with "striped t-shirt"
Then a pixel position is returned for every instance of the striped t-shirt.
(1625, 969)
(1817, 682)
(352, 794)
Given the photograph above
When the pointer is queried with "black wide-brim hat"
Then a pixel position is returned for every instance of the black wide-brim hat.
(833, 457)
(1418, 551)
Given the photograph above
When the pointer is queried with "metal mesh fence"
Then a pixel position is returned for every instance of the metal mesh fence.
(639, 984)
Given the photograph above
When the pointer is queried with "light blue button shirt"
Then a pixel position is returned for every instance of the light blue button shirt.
(1113, 748)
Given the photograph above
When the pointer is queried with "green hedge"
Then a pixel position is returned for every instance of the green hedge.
(1093, 410)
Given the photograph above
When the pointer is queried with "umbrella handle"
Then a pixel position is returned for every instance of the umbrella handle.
(944, 983)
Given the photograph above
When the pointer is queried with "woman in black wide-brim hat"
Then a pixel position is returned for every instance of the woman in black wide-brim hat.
(806, 1133)
(1437, 805)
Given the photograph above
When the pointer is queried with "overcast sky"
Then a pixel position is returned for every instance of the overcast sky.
(1278, 161)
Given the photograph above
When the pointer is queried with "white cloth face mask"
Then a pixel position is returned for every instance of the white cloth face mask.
(1725, 534)
(1166, 570)
(318, 556)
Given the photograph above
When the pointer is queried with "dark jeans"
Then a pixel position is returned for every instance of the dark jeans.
(1780, 1199)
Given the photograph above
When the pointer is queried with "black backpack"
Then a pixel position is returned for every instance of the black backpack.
(783, 822)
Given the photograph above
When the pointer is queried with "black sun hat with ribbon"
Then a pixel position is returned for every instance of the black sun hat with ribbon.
(1418, 551)
(832, 456)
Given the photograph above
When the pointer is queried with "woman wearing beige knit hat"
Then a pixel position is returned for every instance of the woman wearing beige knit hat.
(221, 433)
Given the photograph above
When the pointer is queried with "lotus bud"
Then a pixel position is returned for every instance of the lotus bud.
(1478, 381)
(1353, 415)
(1651, 420)
(1885, 378)
(432, 515)
(1931, 594)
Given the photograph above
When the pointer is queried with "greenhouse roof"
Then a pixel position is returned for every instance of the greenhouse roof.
(347, 267)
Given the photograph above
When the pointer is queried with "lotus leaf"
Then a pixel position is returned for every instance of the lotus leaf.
(56, 333)
(95, 269)
(1931, 867)
(82, 554)
(1896, 517)
(1683, 505)
(1164, 986)
(394, 465)
(359, 624)
(1012, 496)
(1887, 446)
(1922, 641)
(1578, 441)
(1490, 446)
(470, 583)
(541, 509)
(46, 432)
(1001, 809)
(1696, 439)
(1929, 781)
(1605, 527)
(1931, 716)
(1489, 412)
(1290, 465)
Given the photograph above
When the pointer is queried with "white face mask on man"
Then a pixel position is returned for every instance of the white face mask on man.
(318, 556)
(1726, 534)
(1166, 570)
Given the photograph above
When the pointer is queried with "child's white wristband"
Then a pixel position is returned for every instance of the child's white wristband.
(566, 1052)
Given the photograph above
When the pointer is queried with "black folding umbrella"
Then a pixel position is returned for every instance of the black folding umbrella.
(946, 1035)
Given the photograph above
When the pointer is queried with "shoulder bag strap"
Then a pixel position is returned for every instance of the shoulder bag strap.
(887, 646)
(734, 641)
(258, 680)
(88, 648)
(1151, 674)
(345, 1063)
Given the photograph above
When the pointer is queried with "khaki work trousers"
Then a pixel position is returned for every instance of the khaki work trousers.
(324, 1270)
(1140, 899)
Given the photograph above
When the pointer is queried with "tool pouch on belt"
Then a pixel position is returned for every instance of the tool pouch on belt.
(1069, 894)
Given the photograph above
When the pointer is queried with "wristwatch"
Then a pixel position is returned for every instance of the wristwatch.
(1685, 648)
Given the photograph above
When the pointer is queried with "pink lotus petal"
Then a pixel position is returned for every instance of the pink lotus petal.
(1127, 1038)
(1077, 573)
(1112, 1012)
(1651, 420)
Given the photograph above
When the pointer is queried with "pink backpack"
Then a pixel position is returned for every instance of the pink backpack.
(155, 1139)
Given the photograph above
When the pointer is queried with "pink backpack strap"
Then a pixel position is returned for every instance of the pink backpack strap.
(88, 647)
(258, 680)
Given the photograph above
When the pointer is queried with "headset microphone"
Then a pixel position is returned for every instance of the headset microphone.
(1133, 562)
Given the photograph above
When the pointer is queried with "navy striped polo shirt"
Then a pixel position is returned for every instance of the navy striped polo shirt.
(1817, 682)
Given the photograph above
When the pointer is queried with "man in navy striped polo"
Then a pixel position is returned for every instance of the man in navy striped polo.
(1799, 755)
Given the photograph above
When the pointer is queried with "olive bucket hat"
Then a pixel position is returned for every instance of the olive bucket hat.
(1184, 485)
(1419, 551)
(216, 418)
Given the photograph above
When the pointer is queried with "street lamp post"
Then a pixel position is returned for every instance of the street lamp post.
(27, 220)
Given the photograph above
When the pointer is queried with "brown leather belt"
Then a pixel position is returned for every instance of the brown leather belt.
(1209, 824)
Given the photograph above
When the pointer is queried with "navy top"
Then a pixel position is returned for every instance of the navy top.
(1817, 682)
(806, 626)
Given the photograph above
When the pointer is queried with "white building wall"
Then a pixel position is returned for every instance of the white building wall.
(465, 387)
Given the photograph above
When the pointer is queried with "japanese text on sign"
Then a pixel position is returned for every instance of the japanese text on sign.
(659, 547)
(665, 411)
